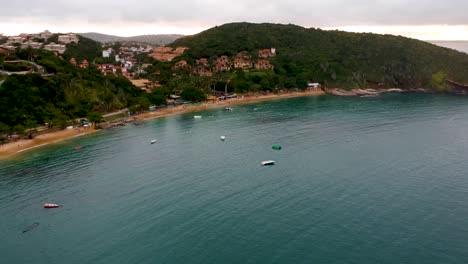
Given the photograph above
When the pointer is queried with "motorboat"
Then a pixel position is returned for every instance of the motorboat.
(197, 117)
(153, 141)
(222, 138)
(51, 205)
(277, 147)
(268, 162)
(229, 109)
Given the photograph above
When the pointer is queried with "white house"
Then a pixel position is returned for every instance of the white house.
(15, 39)
(32, 44)
(313, 85)
(55, 47)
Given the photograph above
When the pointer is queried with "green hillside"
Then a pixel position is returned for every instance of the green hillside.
(334, 58)
(69, 92)
(85, 49)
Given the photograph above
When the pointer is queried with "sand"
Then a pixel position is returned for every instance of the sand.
(13, 148)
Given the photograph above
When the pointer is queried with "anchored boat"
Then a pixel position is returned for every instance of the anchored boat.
(268, 162)
(50, 205)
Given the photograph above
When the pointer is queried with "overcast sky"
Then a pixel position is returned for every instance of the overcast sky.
(423, 19)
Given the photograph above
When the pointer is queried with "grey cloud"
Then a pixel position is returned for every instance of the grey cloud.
(318, 13)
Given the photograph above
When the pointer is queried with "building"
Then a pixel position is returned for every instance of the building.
(263, 65)
(203, 61)
(32, 44)
(242, 64)
(223, 59)
(59, 48)
(266, 53)
(222, 63)
(45, 35)
(4, 52)
(7, 47)
(73, 61)
(201, 70)
(68, 38)
(313, 86)
(84, 64)
(180, 65)
(15, 39)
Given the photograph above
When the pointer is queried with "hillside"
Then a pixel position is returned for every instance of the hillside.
(86, 48)
(66, 93)
(161, 39)
(334, 58)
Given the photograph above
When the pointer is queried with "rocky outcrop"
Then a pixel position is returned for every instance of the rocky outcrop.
(366, 92)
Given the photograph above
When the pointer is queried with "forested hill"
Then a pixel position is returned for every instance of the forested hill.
(70, 92)
(334, 58)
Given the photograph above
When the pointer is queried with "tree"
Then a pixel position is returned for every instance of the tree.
(157, 98)
(439, 80)
(194, 95)
(94, 117)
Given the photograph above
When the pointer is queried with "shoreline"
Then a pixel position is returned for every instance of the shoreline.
(12, 149)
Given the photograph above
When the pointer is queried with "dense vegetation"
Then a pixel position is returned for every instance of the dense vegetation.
(349, 60)
(28, 101)
(333, 58)
(85, 49)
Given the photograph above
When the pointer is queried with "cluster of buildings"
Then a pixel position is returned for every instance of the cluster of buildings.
(39, 40)
(121, 62)
(243, 60)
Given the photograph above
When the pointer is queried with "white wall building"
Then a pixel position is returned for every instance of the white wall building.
(32, 44)
(55, 47)
(15, 39)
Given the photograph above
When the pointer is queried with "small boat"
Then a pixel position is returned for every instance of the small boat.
(222, 138)
(197, 117)
(277, 147)
(268, 162)
(50, 205)
(77, 147)
(153, 141)
(229, 109)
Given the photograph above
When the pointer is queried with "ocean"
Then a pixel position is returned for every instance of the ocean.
(358, 180)
(459, 45)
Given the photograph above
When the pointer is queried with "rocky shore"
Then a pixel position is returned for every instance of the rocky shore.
(370, 92)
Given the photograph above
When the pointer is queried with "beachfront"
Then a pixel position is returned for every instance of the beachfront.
(13, 148)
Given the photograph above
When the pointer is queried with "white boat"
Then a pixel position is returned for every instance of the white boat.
(153, 141)
(222, 138)
(229, 109)
(197, 117)
(268, 162)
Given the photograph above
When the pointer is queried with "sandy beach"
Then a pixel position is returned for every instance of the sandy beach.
(13, 148)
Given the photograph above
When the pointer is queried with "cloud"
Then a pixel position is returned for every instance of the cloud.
(207, 13)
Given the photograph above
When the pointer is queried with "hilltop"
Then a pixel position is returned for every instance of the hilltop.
(333, 58)
(161, 39)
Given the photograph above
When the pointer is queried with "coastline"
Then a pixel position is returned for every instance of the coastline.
(11, 149)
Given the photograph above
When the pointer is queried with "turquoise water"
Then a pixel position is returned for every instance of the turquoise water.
(359, 180)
